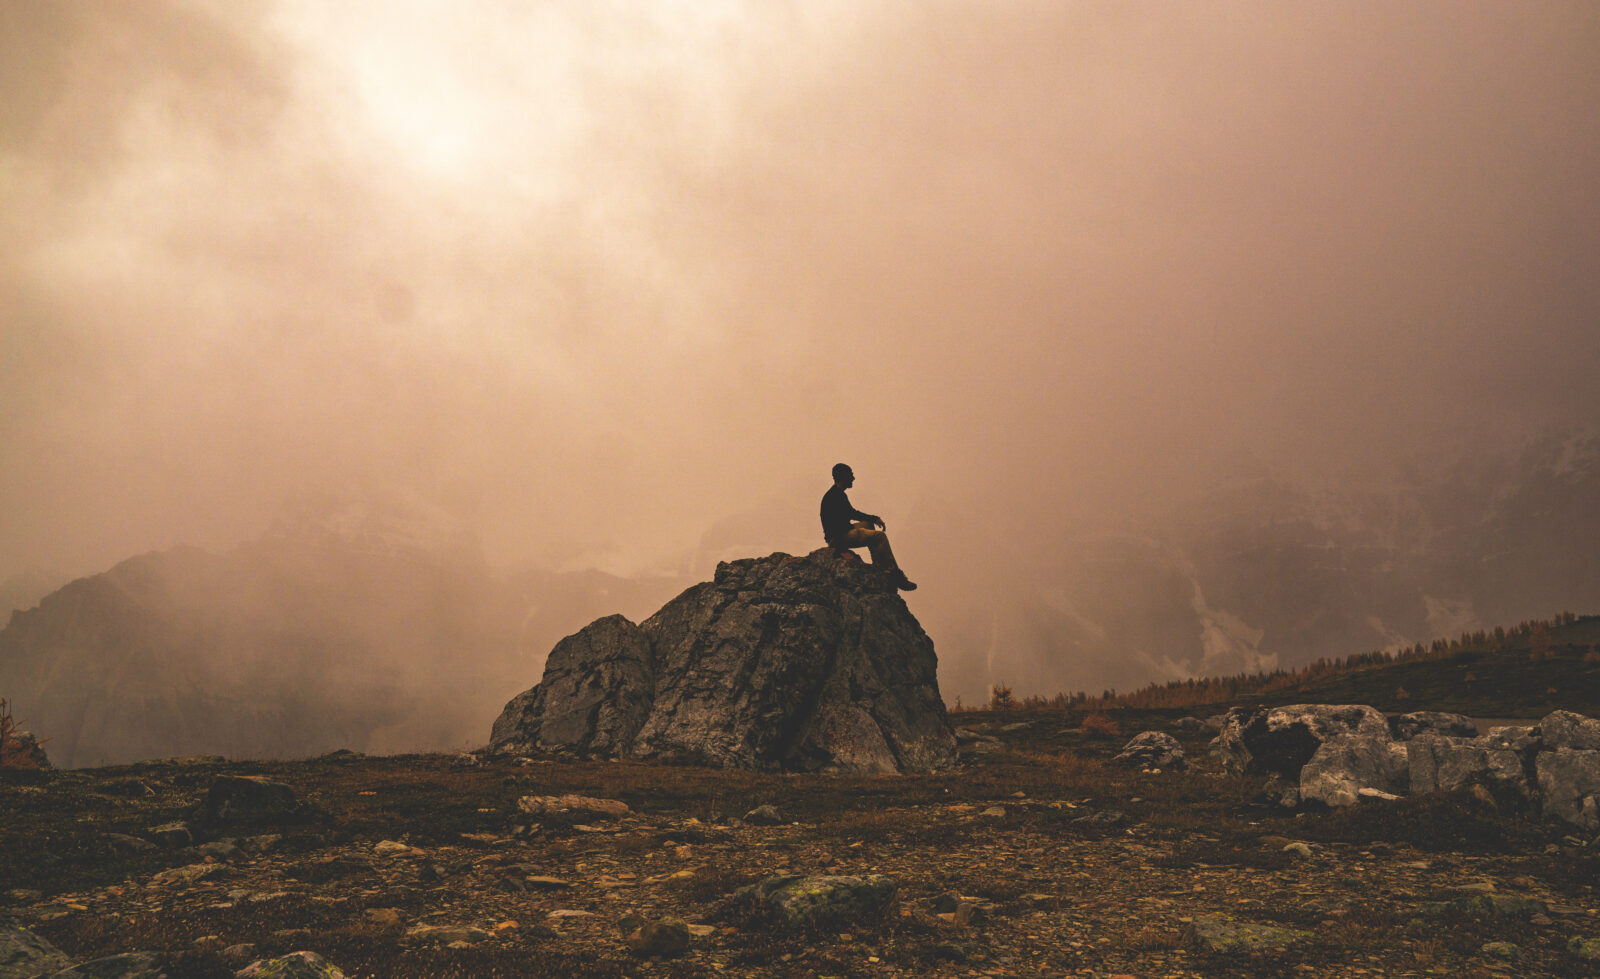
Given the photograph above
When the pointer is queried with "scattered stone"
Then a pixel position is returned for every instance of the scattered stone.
(764, 815)
(189, 874)
(564, 913)
(802, 663)
(1407, 726)
(538, 883)
(1015, 726)
(1151, 749)
(667, 938)
(238, 798)
(811, 901)
(22, 954)
(994, 812)
(239, 955)
(224, 850)
(127, 844)
(1300, 850)
(1487, 905)
(128, 965)
(394, 848)
(173, 835)
(445, 934)
(1105, 817)
(573, 805)
(1587, 949)
(295, 965)
(1505, 951)
(388, 918)
(1215, 933)
(1190, 726)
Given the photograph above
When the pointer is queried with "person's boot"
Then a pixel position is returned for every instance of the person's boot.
(903, 583)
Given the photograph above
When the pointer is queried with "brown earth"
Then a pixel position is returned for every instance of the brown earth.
(1053, 893)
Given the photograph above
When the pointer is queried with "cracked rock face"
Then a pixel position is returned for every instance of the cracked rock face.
(800, 663)
(1281, 740)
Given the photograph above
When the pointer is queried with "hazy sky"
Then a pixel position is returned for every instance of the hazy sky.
(595, 276)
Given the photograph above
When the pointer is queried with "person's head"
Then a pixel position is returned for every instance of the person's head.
(842, 476)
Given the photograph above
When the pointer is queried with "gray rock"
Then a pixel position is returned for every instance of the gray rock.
(445, 934)
(239, 955)
(1346, 767)
(1440, 764)
(173, 835)
(594, 696)
(295, 965)
(1190, 726)
(128, 965)
(1280, 740)
(1488, 905)
(1408, 726)
(1569, 784)
(838, 901)
(577, 806)
(1522, 740)
(800, 663)
(1504, 951)
(1587, 949)
(1151, 749)
(668, 937)
(24, 954)
(1564, 729)
(1226, 936)
(766, 815)
(237, 798)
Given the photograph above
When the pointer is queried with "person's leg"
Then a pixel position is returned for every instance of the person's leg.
(877, 544)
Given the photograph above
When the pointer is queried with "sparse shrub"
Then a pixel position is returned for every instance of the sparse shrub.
(18, 753)
(1100, 726)
(1000, 698)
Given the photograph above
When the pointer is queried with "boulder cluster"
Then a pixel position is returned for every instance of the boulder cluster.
(1337, 754)
(810, 663)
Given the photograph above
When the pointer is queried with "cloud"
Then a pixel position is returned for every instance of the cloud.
(599, 276)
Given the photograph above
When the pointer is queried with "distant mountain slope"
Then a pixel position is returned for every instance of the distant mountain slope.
(1265, 573)
(289, 646)
(1527, 671)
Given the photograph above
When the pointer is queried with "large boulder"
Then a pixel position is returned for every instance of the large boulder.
(1280, 740)
(1416, 723)
(1346, 767)
(595, 692)
(798, 663)
(1440, 764)
(1569, 782)
(1564, 729)
(1151, 749)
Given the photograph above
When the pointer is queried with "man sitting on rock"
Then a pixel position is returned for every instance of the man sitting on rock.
(844, 527)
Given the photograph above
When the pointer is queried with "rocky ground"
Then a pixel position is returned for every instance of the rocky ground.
(1036, 857)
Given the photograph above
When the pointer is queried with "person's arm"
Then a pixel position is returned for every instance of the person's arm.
(866, 518)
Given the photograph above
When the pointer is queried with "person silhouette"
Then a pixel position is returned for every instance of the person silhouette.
(844, 527)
